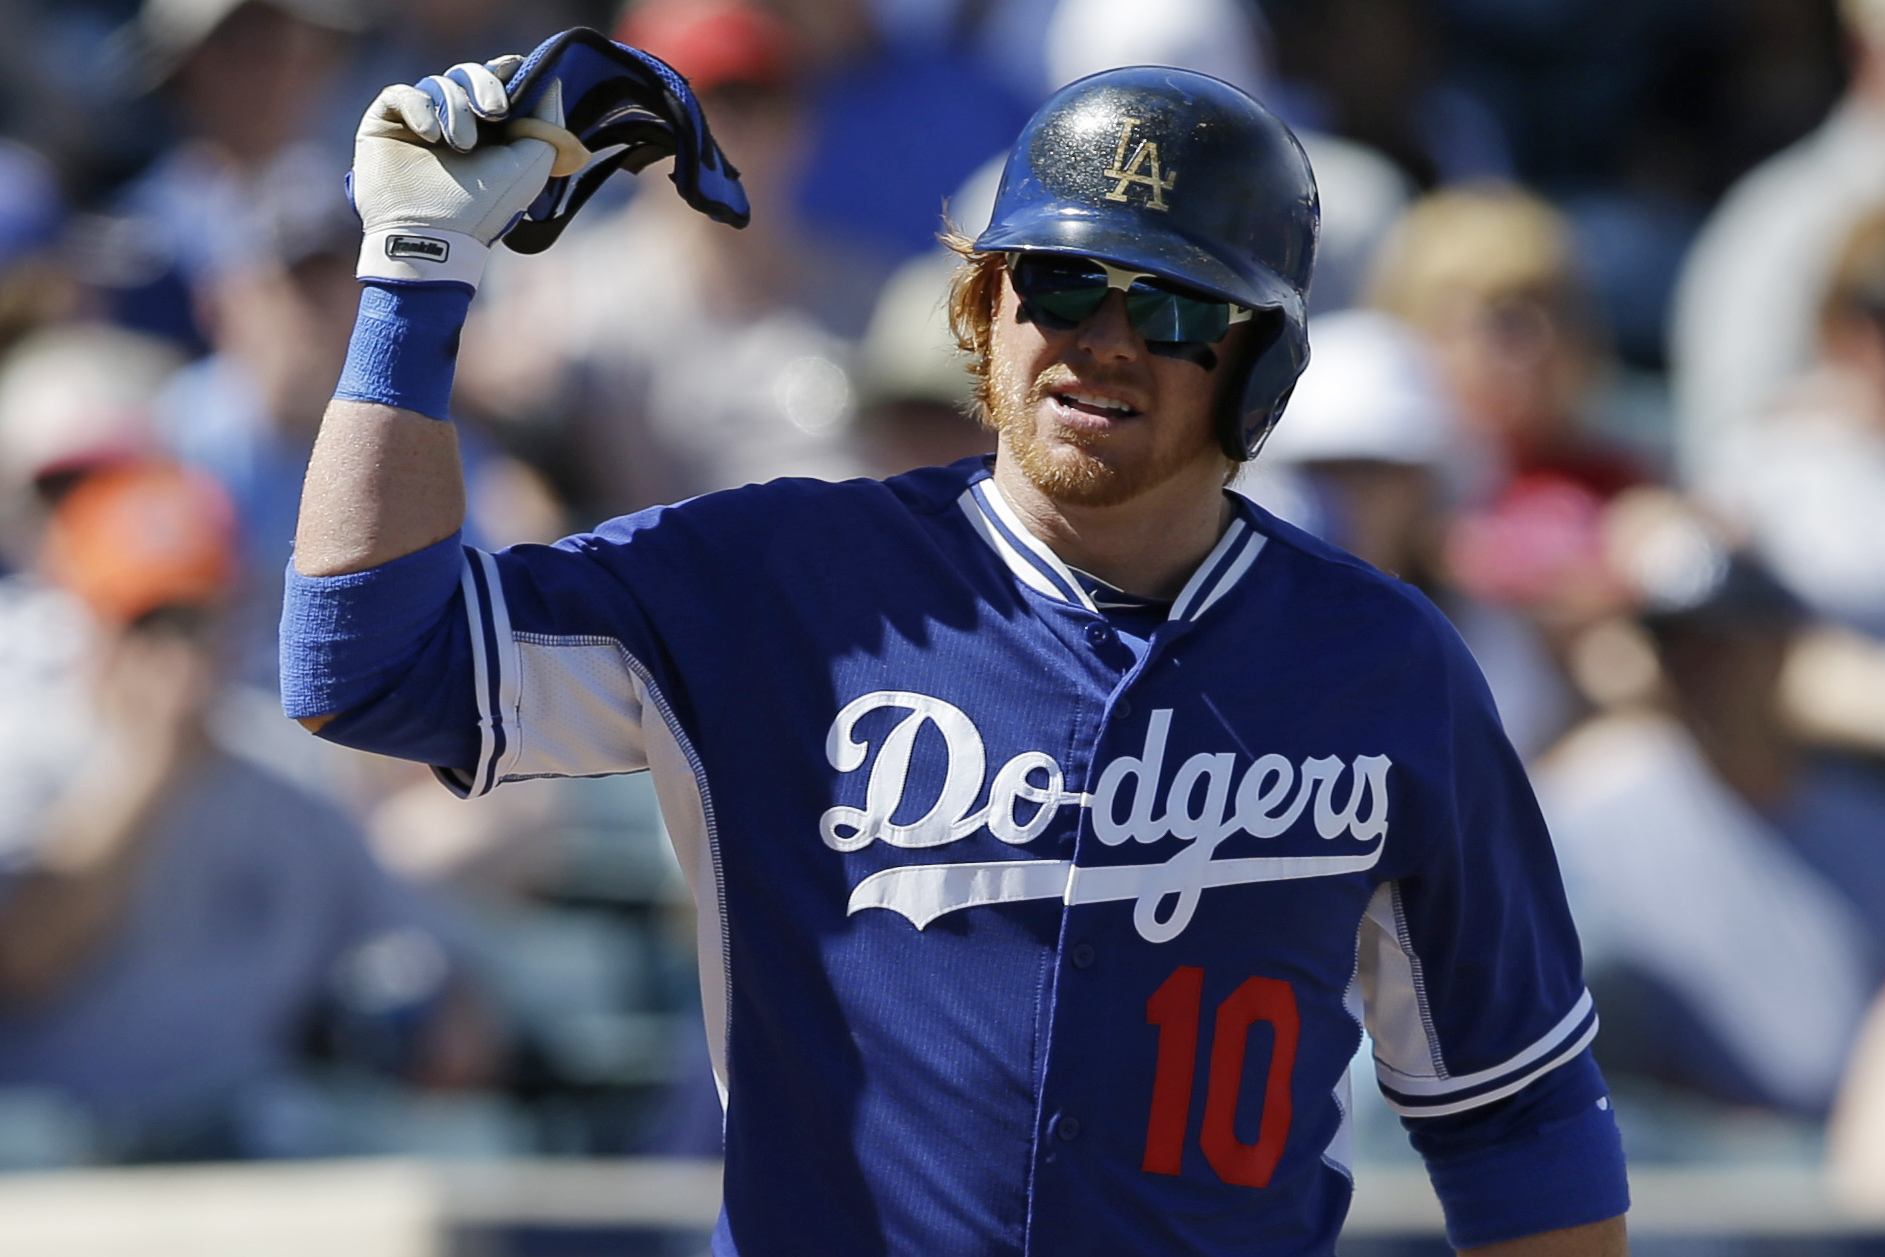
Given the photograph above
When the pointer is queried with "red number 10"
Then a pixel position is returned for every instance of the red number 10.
(1174, 1009)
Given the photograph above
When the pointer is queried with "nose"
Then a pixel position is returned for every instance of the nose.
(1107, 334)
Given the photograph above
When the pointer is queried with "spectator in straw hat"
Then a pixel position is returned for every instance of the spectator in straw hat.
(1485, 274)
(913, 383)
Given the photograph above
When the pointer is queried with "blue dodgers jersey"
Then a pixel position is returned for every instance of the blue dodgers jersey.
(1015, 939)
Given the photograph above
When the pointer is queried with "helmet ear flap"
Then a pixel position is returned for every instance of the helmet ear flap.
(1279, 358)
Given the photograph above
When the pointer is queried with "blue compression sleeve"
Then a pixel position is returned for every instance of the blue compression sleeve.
(346, 639)
(1547, 1158)
(404, 349)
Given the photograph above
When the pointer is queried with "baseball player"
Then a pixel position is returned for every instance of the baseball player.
(1055, 821)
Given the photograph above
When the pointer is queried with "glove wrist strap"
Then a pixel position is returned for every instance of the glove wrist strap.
(421, 255)
(404, 350)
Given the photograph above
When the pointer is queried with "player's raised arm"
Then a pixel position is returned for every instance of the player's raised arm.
(384, 480)
(442, 171)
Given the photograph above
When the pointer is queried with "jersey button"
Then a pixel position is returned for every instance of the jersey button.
(1068, 1129)
(1099, 634)
(1082, 955)
(1122, 708)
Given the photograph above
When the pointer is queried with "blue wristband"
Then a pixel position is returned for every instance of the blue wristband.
(405, 346)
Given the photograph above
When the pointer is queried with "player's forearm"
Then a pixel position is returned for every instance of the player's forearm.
(383, 491)
(383, 482)
(1599, 1239)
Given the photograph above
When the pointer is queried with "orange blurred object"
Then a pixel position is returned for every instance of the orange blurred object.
(137, 537)
(712, 42)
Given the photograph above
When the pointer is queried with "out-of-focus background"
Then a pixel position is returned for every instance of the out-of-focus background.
(1599, 365)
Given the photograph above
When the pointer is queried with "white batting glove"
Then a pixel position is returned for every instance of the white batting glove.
(431, 199)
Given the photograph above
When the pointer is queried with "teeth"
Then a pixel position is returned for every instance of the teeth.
(1098, 403)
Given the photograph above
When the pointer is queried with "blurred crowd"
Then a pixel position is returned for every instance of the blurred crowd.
(1598, 364)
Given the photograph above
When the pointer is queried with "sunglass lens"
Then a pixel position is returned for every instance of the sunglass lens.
(1165, 316)
(1068, 289)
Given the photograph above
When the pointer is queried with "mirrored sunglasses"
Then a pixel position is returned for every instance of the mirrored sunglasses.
(1061, 292)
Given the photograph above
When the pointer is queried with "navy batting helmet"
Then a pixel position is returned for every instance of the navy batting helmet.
(1181, 176)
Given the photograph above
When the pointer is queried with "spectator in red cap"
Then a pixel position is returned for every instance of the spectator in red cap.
(1486, 274)
(141, 539)
(714, 43)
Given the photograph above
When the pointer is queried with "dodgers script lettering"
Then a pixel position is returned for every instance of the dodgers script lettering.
(1205, 802)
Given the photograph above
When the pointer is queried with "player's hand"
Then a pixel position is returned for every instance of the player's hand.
(433, 192)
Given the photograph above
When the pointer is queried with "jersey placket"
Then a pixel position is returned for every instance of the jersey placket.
(1058, 1130)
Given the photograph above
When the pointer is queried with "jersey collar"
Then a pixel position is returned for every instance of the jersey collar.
(1035, 565)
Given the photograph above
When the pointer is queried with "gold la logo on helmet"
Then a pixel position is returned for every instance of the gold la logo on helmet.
(1135, 170)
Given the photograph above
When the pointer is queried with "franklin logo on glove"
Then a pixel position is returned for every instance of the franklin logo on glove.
(421, 248)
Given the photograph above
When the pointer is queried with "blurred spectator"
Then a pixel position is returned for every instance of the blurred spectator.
(1374, 71)
(914, 385)
(408, 41)
(684, 356)
(1486, 275)
(36, 287)
(1637, 116)
(1366, 448)
(1368, 457)
(174, 924)
(895, 118)
(1729, 885)
(1744, 320)
(587, 945)
(1808, 477)
(246, 78)
(72, 397)
(1646, 98)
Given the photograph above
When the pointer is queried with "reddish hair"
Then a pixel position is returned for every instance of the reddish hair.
(974, 294)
